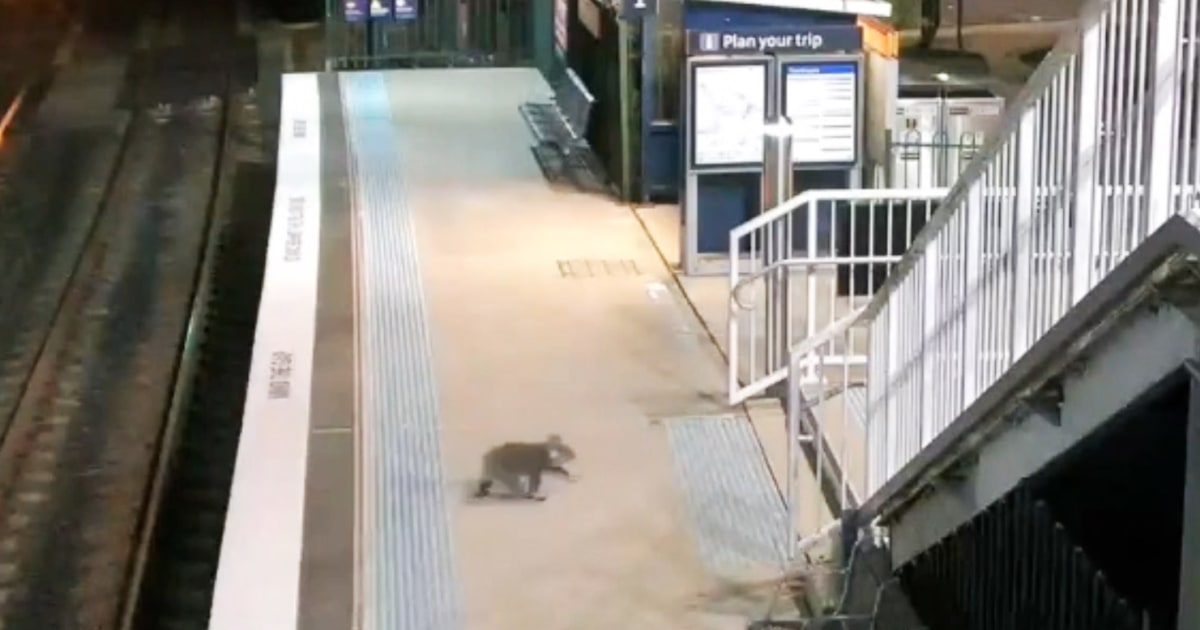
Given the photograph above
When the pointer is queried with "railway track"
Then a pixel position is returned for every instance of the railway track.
(88, 370)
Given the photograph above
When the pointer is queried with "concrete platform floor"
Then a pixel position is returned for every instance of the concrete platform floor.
(534, 333)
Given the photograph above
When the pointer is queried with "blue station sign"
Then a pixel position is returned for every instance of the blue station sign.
(355, 10)
(824, 39)
(405, 10)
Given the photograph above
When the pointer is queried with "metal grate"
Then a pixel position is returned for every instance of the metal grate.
(737, 514)
(598, 268)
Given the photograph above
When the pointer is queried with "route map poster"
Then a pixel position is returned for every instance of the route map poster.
(729, 104)
(821, 101)
(355, 11)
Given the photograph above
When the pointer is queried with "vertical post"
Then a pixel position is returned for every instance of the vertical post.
(370, 28)
(811, 210)
(1022, 243)
(849, 537)
(894, 456)
(1086, 157)
(1189, 566)
(793, 456)
(931, 330)
(776, 189)
(973, 252)
(623, 36)
(649, 95)
(1163, 143)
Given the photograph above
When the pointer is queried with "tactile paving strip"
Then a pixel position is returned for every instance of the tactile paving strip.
(410, 581)
(737, 513)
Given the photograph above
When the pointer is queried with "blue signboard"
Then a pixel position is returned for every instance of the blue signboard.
(405, 9)
(381, 9)
(355, 11)
(756, 41)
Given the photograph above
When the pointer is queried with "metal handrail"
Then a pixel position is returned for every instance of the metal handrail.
(850, 194)
(827, 334)
(1047, 72)
(786, 263)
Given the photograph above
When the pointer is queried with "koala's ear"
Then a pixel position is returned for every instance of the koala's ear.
(554, 439)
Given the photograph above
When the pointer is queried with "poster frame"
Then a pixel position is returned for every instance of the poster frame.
(412, 13)
(694, 64)
(790, 61)
(360, 14)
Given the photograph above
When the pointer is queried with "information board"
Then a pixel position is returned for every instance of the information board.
(729, 107)
(355, 10)
(404, 9)
(380, 9)
(821, 100)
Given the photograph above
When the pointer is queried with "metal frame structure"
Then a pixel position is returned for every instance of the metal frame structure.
(690, 232)
(784, 62)
(1053, 220)
(813, 266)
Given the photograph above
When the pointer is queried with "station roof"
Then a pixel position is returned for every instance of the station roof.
(873, 8)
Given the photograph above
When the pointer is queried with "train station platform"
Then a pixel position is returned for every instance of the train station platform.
(429, 296)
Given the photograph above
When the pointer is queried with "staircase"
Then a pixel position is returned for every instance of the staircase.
(1094, 156)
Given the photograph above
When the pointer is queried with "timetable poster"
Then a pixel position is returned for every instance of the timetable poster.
(729, 110)
(405, 10)
(355, 10)
(822, 104)
(381, 9)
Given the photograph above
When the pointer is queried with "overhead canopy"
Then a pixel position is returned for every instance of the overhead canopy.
(873, 8)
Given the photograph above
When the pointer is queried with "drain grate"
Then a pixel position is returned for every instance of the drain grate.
(598, 268)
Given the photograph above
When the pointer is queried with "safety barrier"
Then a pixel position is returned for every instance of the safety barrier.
(805, 264)
(1099, 151)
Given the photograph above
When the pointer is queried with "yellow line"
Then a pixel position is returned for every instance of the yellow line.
(11, 113)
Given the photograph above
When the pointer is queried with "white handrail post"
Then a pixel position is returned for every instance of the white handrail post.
(1163, 141)
(1086, 158)
(892, 458)
(793, 455)
(810, 283)
(931, 327)
(731, 326)
(973, 252)
(1022, 244)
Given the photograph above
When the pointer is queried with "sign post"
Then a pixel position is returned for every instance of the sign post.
(776, 189)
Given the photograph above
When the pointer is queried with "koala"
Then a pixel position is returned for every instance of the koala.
(512, 461)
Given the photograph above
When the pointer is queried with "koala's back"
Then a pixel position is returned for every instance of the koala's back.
(520, 457)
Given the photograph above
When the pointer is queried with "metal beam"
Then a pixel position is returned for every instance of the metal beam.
(1189, 564)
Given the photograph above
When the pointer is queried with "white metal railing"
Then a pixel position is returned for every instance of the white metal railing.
(1098, 151)
(829, 251)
